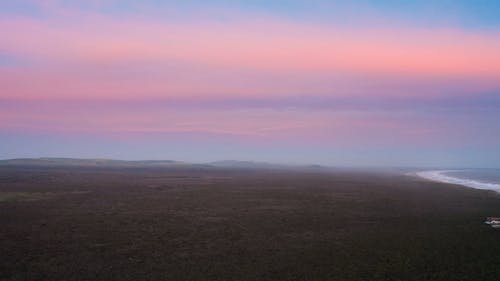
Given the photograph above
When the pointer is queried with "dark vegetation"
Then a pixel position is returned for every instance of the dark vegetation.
(207, 223)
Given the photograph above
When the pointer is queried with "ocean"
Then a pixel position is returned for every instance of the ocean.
(474, 178)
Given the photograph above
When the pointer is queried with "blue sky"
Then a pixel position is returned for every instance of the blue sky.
(467, 13)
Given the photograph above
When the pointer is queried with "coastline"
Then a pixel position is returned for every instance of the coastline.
(439, 176)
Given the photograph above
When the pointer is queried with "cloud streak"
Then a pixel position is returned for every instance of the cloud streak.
(269, 44)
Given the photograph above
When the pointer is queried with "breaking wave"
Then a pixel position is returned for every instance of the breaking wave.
(440, 176)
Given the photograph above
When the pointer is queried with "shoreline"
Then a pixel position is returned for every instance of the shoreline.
(439, 176)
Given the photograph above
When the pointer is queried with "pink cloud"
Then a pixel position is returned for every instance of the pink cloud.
(269, 45)
(95, 56)
(256, 125)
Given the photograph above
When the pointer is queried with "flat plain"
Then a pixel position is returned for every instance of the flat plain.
(208, 223)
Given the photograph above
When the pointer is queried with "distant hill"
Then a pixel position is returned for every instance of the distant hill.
(47, 161)
(245, 164)
(75, 162)
(261, 165)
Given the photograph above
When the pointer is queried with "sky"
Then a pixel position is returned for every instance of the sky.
(341, 83)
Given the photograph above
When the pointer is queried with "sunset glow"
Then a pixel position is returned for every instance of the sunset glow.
(199, 82)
